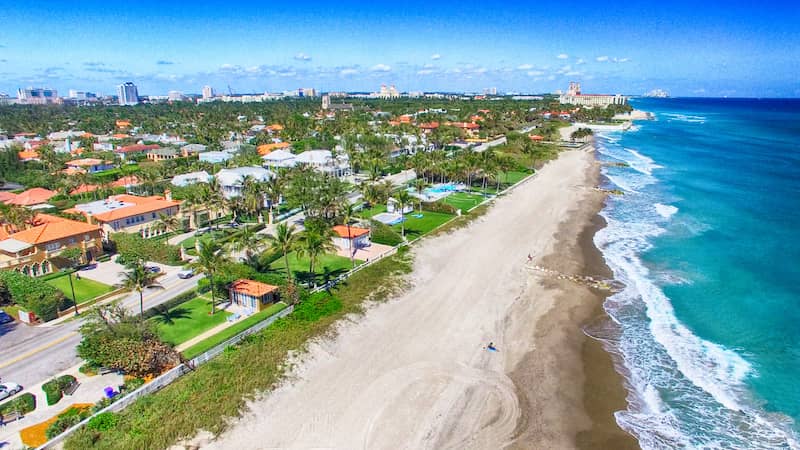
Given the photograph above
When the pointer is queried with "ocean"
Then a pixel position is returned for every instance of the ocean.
(705, 241)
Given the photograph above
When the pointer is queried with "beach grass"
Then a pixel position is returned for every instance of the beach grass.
(219, 390)
(85, 289)
(233, 330)
(189, 319)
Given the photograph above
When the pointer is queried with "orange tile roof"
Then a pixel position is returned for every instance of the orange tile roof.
(136, 148)
(73, 171)
(355, 232)
(275, 127)
(120, 136)
(52, 228)
(251, 287)
(266, 149)
(429, 125)
(129, 180)
(87, 135)
(28, 154)
(3, 233)
(32, 197)
(123, 123)
(84, 188)
(6, 196)
(85, 162)
(141, 205)
(536, 137)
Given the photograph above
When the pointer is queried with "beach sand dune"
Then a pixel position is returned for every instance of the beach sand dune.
(414, 372)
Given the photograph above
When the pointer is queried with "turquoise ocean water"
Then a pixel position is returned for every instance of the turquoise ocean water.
(706, 241)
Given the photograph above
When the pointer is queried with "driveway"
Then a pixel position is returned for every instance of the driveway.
(110, 272)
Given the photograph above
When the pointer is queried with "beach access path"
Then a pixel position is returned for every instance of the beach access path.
(414, 372)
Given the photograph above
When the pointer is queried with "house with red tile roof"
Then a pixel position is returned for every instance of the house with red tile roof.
(252, 295)
(129, 213)
(89, 165)
(32, 197)
(34, 250)
(136, 149)
(349, 238)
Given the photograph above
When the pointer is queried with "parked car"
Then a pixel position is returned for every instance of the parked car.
(9, 389)
(185, 274)
(5, 318)
(152, 269)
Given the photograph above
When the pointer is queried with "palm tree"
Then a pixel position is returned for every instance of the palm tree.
(403, 199)
(138, 278)
(167, 222)
(209, 258)
(420, 185)
(273, 190)
(348, 211)
(313, 243)
(246, 241)
(284, 241)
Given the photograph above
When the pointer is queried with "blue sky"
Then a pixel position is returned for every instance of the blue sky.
(689, 48)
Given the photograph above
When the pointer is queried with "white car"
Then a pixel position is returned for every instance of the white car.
(9, 389)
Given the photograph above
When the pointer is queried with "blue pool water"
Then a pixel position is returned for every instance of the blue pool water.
(705, 240)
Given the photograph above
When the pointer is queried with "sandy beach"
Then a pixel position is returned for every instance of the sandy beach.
(414, 372)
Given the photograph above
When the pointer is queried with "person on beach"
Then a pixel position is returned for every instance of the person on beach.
(491, 347)
(530, 258)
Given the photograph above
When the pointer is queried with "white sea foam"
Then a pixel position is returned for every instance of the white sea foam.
(665, 211)
(685, 118)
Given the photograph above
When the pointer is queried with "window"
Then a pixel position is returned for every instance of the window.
(51, 246)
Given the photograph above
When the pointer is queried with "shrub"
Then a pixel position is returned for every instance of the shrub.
(34, 294)
(88, 370)
(102, 422)
(438, 207)
(54, 388)
(69, 418)
(384, 234)
(23, 404)
(132, 385)
(132, 247)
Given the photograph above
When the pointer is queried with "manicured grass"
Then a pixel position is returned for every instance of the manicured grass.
(233, 330)
(85, 289)
(512, 177)
(189, 319)
(419, 226)
(334, 264)
(209, 396)
(463, 200)
(367, 213)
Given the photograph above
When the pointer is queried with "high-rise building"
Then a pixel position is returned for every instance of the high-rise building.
(175, 96)
(574, 96)
(208, 92)
(37, 96)
(128, 94)
(326, 101)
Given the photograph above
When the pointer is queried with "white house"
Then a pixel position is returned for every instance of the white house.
(324, 161)
(191, 178)
(214, 157)
(351, 238)
(279, 158)
(231, 181)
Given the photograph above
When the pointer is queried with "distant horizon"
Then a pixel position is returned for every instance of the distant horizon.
(686, 48)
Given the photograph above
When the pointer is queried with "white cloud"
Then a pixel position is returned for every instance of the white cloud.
(601, 58)
(580, 61)
(573, 73)
(425, 72)
(480, 70)
(254, 69)
(564, 69)
(436, 56)
(551, 77)
(348, 72)
(525, 67)
(381, 68)
(563, 56)
(302, 57)
(699, 91)
(620, 60)
(535, 73)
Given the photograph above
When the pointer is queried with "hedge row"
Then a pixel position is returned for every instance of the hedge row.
(32, 294)
(54, 389)
(23, 404)
(384, 234)
(439, 207)
(132, 247)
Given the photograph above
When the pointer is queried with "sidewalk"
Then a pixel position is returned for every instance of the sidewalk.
(89, 391)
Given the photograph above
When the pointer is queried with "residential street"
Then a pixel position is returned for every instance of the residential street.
(29, 355)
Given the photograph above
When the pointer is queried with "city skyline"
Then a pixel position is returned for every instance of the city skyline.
(686, 49)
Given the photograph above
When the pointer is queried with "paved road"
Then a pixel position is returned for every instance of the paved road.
(29, 355)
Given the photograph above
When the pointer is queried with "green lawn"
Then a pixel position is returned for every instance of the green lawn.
(188, 320)
(232, 331)
(85, 289)
(512, 177)
(333, 264)
(418, 226)
(367, 213)
(463, 201)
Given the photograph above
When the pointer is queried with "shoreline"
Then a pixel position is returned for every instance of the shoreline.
(416, 370)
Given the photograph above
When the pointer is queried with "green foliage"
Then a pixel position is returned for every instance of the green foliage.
(34, 294)
(384, 234)
(316, 306)
(439, 207)
(103, 421)
(132, 384)
(173, 302)
(23, 403)
(132, 247)
(67, 419)
(54, 388)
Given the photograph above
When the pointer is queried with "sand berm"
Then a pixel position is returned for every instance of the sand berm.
(414, 372)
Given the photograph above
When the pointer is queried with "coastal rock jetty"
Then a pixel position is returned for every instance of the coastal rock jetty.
(592, 282)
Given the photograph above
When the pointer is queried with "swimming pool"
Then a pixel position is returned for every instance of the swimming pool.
(437, 191)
